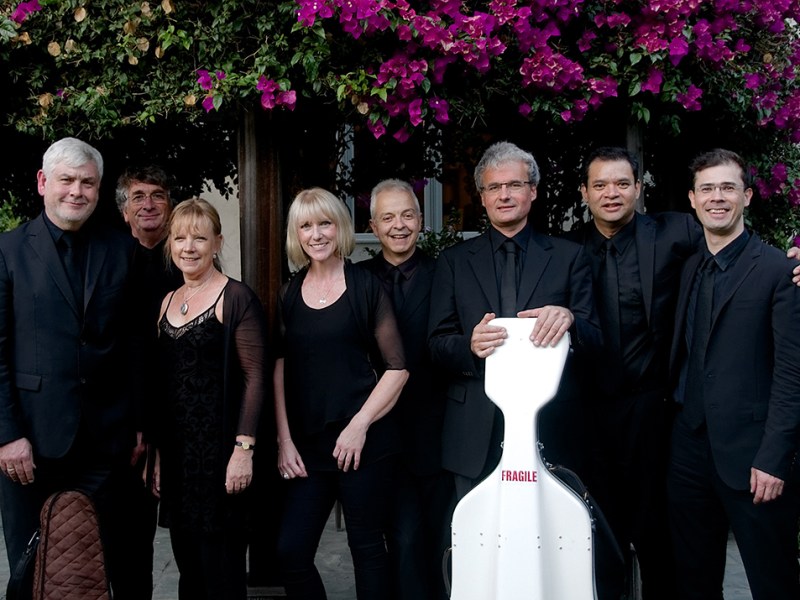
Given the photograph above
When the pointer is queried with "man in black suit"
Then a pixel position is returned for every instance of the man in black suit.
(144, 201)
(737, 381)
(541, 277)
(417, 535)
(636, 261)
(66, 369)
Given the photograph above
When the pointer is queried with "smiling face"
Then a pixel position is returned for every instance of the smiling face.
(70, 194)
(397, 224)
(147, 211)
(610, 192)
(192, 247)
(719, 198)
(317, 237)
(507, 209)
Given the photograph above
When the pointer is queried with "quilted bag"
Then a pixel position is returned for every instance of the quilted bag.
(70, 564)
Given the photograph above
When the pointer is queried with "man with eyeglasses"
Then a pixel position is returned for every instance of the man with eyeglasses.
(508, 271)
(143, 199)
(736, 378)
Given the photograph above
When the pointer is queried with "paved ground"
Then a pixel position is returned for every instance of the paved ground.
(333, 561)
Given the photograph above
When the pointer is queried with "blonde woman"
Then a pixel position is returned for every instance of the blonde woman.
(340, 370)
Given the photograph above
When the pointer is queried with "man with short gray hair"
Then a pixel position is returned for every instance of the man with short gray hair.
(508, 271)
(417, 533)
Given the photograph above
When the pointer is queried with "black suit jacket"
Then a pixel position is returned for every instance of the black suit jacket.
(464, 289)
(752, 375)
(663, 244)
(64, 366)
(420, 409)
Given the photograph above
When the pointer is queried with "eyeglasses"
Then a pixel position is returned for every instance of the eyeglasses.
(726, 189)
(514, 187)
(157, 198)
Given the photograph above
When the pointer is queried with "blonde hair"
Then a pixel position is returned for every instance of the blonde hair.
(188, 216)
(312, 205)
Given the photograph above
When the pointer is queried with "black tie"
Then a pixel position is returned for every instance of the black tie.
(72, 266)
(397, 288)
(610, 290)
(508, 280)
(693, 407)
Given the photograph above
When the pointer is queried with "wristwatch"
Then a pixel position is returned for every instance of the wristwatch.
(246, 445)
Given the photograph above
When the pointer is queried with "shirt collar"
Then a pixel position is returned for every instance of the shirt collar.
(520, 239)
(728, 255)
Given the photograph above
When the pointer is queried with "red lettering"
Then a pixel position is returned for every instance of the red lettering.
(527, 476)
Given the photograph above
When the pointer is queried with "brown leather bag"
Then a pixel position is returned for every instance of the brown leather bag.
(70, 564)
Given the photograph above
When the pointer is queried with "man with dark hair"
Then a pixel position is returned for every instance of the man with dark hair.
(508, 271)
(419, 529)
(143, 199)
(635, 261)
(737, 382)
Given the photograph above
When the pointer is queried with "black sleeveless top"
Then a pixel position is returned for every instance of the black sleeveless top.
(194, 457)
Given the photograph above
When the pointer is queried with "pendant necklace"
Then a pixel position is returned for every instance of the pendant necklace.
(185, 306)
(323, 299)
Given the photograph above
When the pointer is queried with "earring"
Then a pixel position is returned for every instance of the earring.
(215, 255)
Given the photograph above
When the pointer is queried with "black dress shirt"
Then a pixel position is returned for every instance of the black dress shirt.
(725, 259)
(407, 269)
(521, 241)
(634, 369)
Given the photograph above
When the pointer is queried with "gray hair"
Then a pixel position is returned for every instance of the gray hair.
(397, 185)
(504, 152)
(73, 153)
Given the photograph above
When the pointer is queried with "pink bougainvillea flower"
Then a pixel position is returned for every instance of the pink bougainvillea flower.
(525, 109)
(208, 103)
(401, 135)
(653, 82)
(678, 48)
(415, 112)
(440, 107)
(691, 99)
(204, 79)
(24, 9)
(377, 128)
(287, 99)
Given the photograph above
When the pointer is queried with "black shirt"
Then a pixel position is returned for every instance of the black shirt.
(724, 260)
(520, 239)
(636, 367)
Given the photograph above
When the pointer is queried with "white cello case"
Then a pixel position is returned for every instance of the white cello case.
(521, 534)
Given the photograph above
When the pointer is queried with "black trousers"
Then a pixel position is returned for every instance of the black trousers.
(212, 566)
(702, 508)
(365, 498)
(419, 534)
(630, 437)
(103, 478)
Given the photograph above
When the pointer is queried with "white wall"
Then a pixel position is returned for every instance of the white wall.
(229, 215)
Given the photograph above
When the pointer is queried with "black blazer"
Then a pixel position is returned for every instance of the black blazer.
(420, 408)
(752, 375)
(663, 244)
(464, 289)
(63, 365)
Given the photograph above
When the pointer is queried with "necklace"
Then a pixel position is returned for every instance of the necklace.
(323, 298)
(185, 306)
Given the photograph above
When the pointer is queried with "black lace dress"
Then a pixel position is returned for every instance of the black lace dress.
(193, 457)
